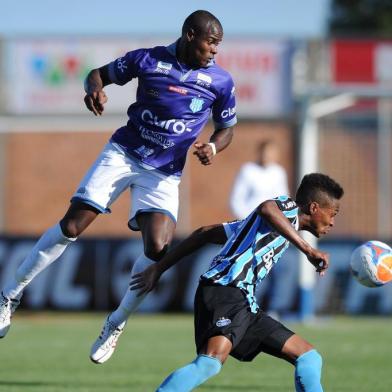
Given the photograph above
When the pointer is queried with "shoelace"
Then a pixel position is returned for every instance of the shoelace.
(109, 332)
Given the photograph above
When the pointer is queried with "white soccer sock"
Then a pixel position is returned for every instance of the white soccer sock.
(48, 249)
(130, 301)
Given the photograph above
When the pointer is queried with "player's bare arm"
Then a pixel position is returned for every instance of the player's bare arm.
(94, 83)
(146, 280)
(270, 211)
(220, 139)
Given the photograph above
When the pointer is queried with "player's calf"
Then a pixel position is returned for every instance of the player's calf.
(308, 372)
(192, 375)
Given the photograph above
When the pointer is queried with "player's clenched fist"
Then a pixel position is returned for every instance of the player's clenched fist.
(95, 102)
(319, 259)
(204, 152)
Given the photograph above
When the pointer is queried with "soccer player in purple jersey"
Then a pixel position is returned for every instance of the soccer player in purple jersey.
(179, 86)
(228, 320)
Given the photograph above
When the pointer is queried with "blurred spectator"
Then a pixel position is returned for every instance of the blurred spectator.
(258, 181)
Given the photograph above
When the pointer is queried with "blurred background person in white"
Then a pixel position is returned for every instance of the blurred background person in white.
(258, 181)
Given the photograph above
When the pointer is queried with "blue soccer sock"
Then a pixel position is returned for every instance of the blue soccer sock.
(308, 372)
(191, 375)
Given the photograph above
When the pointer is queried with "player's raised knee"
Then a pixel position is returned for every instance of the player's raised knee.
(156, 249)
(70, 228)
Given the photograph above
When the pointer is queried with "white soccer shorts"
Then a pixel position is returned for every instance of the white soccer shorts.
(114, 171)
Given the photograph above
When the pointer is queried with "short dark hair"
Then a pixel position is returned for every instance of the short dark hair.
(315, 186)
(200, 21)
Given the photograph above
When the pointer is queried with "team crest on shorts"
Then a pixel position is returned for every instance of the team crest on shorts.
(196, 104)
(223, 322)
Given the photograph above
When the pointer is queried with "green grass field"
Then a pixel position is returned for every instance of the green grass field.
(49, 352)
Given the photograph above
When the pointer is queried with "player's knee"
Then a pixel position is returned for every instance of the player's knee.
(156, 249)
(70, 228)
(308, 371)
(219, 354)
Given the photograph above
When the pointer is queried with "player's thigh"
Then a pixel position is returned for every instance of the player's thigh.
(153, 192)
(265, 334)
(294, 347)
(107, 178)
(220, 311)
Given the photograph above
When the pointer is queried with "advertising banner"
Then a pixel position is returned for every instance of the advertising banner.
(94, 275)
(362, 61)
(45, 76)
(261, 70)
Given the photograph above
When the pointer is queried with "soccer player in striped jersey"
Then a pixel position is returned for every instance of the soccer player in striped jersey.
(228, 320)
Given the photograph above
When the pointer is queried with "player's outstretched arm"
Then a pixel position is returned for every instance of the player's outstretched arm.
(220, 139)
(94, 83)
(146, 280)
(271, 213)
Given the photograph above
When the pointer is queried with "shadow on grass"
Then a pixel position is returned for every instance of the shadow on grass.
(243, 387)
(72, 386)
(27, 383)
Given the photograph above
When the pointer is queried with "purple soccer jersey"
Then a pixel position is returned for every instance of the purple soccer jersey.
(172, 106)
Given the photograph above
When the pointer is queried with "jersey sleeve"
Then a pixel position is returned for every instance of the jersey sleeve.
(125, 68)
(289, 208)
(224, 109)
(231, 227)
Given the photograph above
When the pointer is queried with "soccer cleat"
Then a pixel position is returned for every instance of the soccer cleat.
(104, 346)
(7, 307)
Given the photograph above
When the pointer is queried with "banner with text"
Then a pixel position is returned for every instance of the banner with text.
(94, 274)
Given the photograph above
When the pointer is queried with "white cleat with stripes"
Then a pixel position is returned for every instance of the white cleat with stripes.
(104, 346)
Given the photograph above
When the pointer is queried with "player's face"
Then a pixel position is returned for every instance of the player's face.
(323, 217)
(203, 47)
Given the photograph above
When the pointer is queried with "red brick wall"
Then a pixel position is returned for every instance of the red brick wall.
(43, 170)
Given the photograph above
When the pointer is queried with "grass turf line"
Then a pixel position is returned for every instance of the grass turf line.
(48, 352)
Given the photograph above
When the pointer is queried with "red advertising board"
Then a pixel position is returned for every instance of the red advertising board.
(361, 61)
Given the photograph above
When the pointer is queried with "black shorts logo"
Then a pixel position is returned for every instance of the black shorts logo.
(223, 322)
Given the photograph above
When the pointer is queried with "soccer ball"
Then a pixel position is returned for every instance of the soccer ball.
(371, 263)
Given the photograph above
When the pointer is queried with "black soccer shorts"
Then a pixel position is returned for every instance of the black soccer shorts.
(224, 311)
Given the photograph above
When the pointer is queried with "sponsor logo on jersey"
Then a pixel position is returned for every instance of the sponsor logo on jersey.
(178, 90)
(232, 92)
(196, 104)
(163, 67)
(121, 65)
(203, 80)
(223, 322)
(155, 137)
(173, 125)
(268, 260)
(289, 204)
(228, 112)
